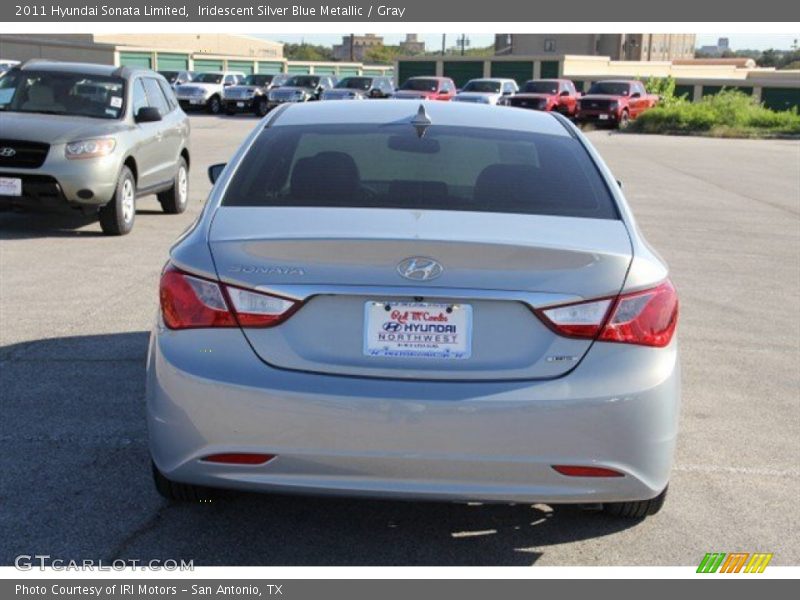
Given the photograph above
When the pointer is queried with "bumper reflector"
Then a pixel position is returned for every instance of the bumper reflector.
(239, 458)
(578, 471)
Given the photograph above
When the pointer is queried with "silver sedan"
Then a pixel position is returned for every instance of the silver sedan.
(432, 301)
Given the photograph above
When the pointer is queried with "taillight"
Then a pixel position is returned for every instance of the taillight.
(646, 317)
(189, 302)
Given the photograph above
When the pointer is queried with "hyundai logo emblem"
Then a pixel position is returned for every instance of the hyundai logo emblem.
(419, 268)
(7, 152)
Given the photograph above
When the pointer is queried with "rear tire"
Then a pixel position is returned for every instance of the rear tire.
(180, 492)
(174, 200)
(117, 217)
(637, 509)
(214, 105)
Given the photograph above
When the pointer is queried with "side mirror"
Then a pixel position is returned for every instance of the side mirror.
(214, 171)
(147, 114)
(564, 93)
(636, 95)
(507, 93)
(375, 93)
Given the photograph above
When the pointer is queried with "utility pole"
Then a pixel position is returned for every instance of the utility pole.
(352, 47)
(463, 42)
(444, 35)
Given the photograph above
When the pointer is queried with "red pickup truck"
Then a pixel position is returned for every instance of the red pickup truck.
(614, 102)
(426, 88)
(559, 95)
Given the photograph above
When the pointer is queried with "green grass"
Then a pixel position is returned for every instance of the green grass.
(727, 114)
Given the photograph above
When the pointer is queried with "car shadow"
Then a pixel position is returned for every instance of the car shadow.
(18, 224)
(74, 408)
(31, 224)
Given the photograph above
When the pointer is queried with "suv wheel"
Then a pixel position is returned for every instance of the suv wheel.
(180, 492)
(117, 217)
(624, 119)
(214, 105)
(262, 108)
(636, 509)
(174, 200)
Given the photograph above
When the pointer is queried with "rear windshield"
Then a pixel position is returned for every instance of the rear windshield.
(306, 81)
(355, 83)
(450, 168)
(476, 85)
(208, 78)
(610, 88)
(421, 85)
(540, 87)
(259, 80)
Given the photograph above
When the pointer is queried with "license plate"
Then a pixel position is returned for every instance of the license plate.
(195, 101)
(417, 330)
(240, 104)
(603, 117)
(10, 186)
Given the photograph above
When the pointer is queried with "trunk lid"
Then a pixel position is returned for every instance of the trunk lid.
(340, 260)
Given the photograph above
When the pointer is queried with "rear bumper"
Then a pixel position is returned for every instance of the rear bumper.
(208, 393)
(246, 105)
(597, 116)
(197, 102)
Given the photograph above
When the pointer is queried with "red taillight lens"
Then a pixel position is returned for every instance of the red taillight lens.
(239, 458)
(647, 317)
(580, 471)
(192, 302)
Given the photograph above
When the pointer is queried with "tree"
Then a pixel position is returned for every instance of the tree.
(769, 58)
(382, 55)
(307, 52)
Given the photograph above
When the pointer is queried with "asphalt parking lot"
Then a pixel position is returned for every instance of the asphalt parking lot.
(76, 308)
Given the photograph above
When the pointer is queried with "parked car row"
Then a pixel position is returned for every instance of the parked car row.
(612, 102)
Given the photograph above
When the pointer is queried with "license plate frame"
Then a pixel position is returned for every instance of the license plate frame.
(417, 330)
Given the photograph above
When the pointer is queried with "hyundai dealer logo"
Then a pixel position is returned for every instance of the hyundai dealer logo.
(7, 152)
(419, 268)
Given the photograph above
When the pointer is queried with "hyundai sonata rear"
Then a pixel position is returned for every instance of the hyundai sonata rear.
(443, 301)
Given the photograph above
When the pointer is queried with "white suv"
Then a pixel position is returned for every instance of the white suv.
(205, 90)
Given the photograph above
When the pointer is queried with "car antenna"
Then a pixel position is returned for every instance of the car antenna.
(421, 121)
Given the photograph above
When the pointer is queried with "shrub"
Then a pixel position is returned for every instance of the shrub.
(730, 113)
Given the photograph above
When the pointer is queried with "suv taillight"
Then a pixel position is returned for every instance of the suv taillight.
(188, 302)
(647, 317)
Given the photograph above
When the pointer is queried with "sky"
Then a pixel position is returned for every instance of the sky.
(433, 41)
